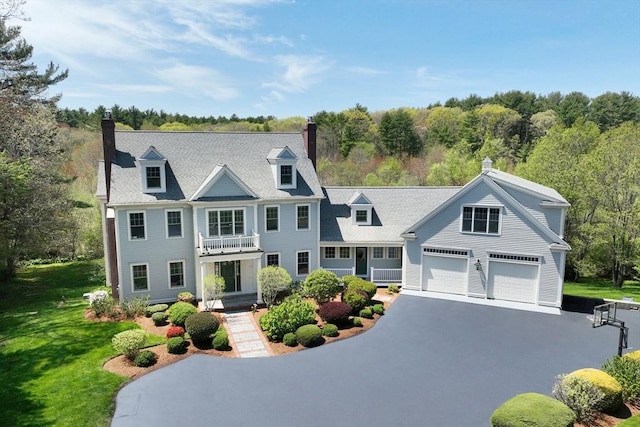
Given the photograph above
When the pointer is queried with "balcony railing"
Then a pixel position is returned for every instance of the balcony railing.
(228, 244)
(386, 275)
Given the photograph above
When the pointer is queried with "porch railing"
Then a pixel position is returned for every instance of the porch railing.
(228, 244)
(386, 275)
(342, 271)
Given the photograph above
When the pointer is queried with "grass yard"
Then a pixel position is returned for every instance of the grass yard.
(601, 288)
(52, 357)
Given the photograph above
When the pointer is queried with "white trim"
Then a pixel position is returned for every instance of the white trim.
(339, 252)
(266, 258)
(144, 224)
(266, 229)
(324, 252)
(133, 288)
(294, 173)
(514, 254)
(308, 252)
(166, 223)
(215, 175)
(392, 247)
(233, 222)
(373, 252)
(361, 208)
(298, 205)
(488, 207)
(184, 273)
(446, 252)
(491, 285)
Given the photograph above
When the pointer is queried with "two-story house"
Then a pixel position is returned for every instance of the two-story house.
(178, 206)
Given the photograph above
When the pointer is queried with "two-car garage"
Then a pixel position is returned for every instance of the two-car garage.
(509, 277)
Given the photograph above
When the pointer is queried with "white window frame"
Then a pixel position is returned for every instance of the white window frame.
(267, 255)
(166, 218)
(308, 206)
(325, 252)
(473, 219)
(144, 164)
(184, 279)
(340, 252)
(144, 224)
(233, 221)
(266, 208)
(398, 254)
(298, 273)
(133, 285)
(380, 249)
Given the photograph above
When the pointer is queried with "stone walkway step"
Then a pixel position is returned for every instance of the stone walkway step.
(244, 335)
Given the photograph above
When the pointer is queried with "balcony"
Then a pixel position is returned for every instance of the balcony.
(228, 244)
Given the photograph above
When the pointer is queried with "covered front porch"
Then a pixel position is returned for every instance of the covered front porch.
(382, 265)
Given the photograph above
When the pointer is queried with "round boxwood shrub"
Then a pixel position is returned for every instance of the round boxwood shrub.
(159, 318)
(611, 388)
(357, 322)
(346, 280)
(221, 340)
(356, 299)
(533, 409)
(179, 312)
(129, 342)
(176, 345)
(309, 335)
(330, 330)
(287, 317)
(290, 339)
(156, 308)
(367, 313)
(635, 355)
(378, 309)
(200, 326)
(335, 312)
(322, 286)
(363, 285)
(175, 331)
(145, 359)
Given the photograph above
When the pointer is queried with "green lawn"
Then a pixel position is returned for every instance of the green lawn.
(601, 288)
(631, 422)
(51, 357)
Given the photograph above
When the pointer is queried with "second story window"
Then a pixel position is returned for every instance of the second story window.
(271, 218)
(286, 175)
(174, 223)
(302, 217)
(136, 226)
(226, 222)
(484, 220)
(153, 177)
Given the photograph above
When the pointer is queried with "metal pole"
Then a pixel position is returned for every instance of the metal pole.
(621, 339)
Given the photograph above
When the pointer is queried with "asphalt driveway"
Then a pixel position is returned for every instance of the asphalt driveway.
(427, 362)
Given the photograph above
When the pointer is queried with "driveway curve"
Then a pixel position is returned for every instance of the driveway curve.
(427, 362)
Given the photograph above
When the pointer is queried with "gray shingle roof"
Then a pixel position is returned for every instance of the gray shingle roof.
(191, 156)
(394, 210)
(550, 194)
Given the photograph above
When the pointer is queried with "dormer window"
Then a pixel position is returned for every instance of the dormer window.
(362, 216)
(361, 209)
(283, 165)
(153, 171)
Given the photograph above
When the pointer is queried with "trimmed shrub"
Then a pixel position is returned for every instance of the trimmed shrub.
(134, 307)
(346, 280)
(378, 309)
(179, 312)
(155, 308)
(105, 306)
(363, 285)
(287, 317)
(145, 359)
(330, 330)
(356, 299)
(366, 313)
(626, 370)
(322, 286)
(611, 388)
(580, 395)
(175, 331)
(200, 326)
(176, 345)
(335, 312)
(357, 322)
(290, 339)
(273, 280)
(533, 409)
(129, 342)
(186, 296)
(309, 335)
(160, 318)
(635, 355)
(393, 289)
(221, 340)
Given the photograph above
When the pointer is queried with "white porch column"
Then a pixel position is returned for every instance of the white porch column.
(258, 264)
(202, 273)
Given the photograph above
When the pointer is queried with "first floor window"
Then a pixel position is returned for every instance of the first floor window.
(303, 217)
(271, 214)
(273, 259)
(176, 274)
(481, 220)
(394, 253)
(345, 252)
(136, 225)
(140, 278)
(303, 263)
(174, 223)
(330, 252)
(378, 253)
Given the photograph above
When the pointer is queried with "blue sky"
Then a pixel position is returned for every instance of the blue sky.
(294, 58)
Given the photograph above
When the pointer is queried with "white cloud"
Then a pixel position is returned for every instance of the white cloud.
(195, 81)
(300, 72)
(133, 88)
(365, 71)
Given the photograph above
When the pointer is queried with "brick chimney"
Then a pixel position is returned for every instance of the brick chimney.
(309, 135)
(108, 148)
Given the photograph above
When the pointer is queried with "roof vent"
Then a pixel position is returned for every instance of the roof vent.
(486, 164)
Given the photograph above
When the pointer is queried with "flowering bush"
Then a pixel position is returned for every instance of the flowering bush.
(129, 342)
(580, 395)
(186, 296)
(175, 331)
(627, 371)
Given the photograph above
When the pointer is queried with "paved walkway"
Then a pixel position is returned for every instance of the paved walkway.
(244, 335)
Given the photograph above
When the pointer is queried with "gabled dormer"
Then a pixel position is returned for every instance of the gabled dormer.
(283, 166)
(361, 209)
(153, 173)
(221, 184)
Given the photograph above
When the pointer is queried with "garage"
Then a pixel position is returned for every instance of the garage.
(446, 271)
(513, 279)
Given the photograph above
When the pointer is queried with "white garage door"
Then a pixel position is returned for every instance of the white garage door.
(513, 282)
(444, 274)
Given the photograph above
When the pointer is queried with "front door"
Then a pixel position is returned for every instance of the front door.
(361, 262)
(230, 271)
